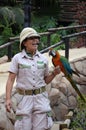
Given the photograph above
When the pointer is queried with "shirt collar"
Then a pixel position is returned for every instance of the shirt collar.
(24, 54)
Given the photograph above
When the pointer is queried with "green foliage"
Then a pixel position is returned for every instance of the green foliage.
(7, 16)
(13, 20)
(19, 20)
(79, 118)
(6, 33)
(5, 24)
(19, 15)
(41, 24)
(10, 25)
(13, 17)
(55, 38)
(15, 48)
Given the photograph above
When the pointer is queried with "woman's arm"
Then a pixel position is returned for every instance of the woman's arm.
(51, 76)
(9, 86)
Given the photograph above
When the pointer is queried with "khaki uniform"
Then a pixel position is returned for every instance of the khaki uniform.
(34, 107)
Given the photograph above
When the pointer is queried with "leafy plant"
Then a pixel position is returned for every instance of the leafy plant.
(43, 23)
(6, 27)
(79, 118)
(10, 25)
(6, 33)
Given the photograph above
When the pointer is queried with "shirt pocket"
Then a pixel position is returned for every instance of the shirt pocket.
(41, 65)
(24, 69)
(24, 66)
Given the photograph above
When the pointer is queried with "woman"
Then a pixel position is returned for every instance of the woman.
(30, 68)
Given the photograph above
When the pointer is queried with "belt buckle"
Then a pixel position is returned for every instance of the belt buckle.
(33, 92)
(36, 91)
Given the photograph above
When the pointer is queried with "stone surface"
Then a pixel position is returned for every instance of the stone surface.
(3, 59)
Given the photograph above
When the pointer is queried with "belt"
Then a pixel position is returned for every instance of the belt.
(31, 92)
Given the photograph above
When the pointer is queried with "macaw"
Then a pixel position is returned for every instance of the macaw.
(59, 60)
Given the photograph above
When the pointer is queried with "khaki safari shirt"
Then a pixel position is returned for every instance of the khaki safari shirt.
(30, 71)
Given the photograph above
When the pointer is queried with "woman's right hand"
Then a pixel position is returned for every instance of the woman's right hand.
(8, 105)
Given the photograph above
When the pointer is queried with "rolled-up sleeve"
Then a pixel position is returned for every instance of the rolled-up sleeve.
(14, 65)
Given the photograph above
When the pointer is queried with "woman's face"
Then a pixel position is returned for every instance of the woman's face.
(31, 44)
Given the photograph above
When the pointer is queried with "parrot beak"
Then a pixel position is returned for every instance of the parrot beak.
(52, 53)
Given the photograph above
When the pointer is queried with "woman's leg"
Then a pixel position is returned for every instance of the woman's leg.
(23, 123)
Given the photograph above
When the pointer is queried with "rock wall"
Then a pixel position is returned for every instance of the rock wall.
(3, 59)
(61, 94)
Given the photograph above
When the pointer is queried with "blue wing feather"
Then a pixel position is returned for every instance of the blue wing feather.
(66, 64)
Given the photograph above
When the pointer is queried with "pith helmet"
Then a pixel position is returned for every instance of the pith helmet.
(27, 33)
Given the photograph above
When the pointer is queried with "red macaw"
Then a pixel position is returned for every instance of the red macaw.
(59, 60)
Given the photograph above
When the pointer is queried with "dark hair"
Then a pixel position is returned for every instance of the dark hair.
(22, 45)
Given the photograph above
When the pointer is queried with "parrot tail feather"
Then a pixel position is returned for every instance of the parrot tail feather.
(74, 72)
